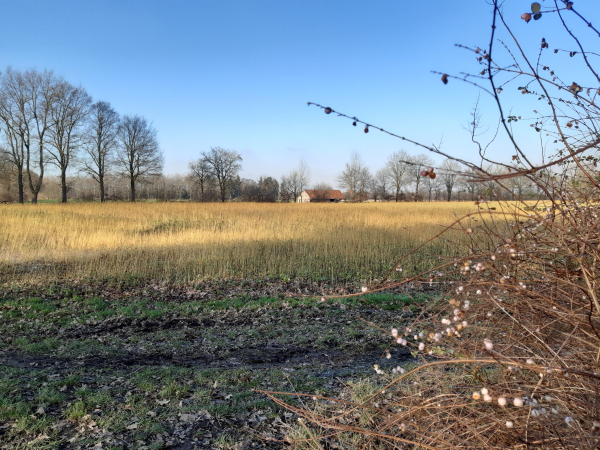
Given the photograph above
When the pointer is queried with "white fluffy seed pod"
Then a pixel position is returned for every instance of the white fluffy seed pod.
(568, 420)
(502, 401)
(484, 391)
(487, 398)
(518, 401)
(509, 424)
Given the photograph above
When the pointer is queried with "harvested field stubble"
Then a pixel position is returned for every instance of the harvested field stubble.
(187, 241)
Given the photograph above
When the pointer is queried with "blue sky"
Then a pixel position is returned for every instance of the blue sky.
(238, 74)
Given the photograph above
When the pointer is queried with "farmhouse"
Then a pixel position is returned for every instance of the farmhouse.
(320, 195)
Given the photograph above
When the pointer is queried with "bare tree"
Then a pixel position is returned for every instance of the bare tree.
(466, 183)
(201, 174)
(296, 181)
(418, 164)
(398, 171)
(26, 102)
(225, 165)
(101, 142)
(381, 183)
(432, 185)
(14, 151)
(70, 110)
(372, 188)
(7, 173)
(41, 91)
(449, 171)
(138, 151)
(355, 177)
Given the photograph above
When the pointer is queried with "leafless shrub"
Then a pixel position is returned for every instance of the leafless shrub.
(510, 351)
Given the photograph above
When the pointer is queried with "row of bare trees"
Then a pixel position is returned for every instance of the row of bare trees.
(45, 120)
(401, 180)
(215, 176)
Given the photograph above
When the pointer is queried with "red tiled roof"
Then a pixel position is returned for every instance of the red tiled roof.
(325, 193)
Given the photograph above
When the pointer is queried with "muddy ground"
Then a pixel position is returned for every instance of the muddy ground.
(144, 365)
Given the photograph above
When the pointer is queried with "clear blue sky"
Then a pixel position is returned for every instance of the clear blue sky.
(238, 74)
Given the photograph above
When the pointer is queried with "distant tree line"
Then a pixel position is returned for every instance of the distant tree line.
(45, 120)
(401, 179)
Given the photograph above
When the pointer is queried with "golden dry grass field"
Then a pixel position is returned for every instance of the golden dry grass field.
(190, 241)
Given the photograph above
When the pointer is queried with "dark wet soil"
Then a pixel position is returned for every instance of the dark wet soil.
(133, 343)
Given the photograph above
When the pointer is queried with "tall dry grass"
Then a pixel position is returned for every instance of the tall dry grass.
(187, 241)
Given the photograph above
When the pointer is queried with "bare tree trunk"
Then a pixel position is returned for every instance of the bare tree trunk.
(20, 184)
(101, 181)
(35, 189)
(132, 189)
(63, 184)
